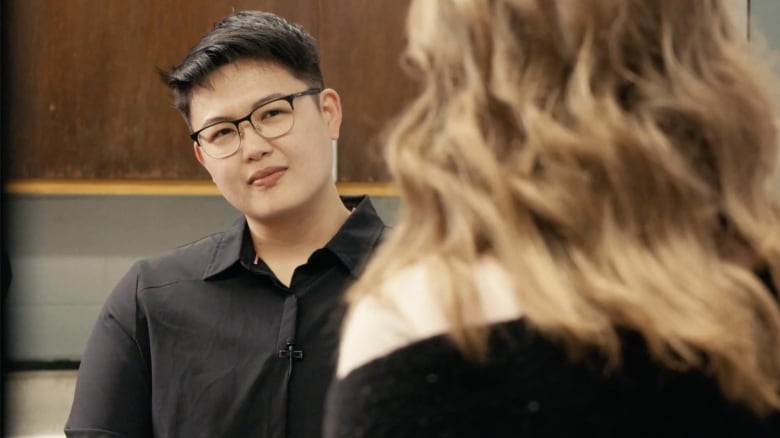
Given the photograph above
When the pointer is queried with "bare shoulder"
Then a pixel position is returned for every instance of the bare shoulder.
(400, 313)
(406, 309)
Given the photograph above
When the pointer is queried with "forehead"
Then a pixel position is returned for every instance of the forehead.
(231, 90)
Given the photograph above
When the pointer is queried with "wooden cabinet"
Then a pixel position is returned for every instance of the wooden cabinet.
(82, 99)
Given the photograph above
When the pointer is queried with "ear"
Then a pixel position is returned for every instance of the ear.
(199, 155)
(330, 105)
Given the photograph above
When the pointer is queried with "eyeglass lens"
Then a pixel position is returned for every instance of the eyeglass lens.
(271, 120)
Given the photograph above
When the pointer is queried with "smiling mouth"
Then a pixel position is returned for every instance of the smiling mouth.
(267, 177)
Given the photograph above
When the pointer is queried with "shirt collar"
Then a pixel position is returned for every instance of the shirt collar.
(352, 244)
(228, 250)
(359, 235)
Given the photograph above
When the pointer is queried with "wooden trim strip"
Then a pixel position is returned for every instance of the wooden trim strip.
(156, 187)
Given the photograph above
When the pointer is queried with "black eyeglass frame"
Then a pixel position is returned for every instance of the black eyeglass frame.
(248, 118)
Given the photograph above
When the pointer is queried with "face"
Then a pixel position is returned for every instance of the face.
(268, 179)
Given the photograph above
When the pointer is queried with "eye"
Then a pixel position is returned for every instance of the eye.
(270, 113)
(219, 132)
(223, 132)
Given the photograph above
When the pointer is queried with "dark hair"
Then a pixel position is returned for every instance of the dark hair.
(245, 34)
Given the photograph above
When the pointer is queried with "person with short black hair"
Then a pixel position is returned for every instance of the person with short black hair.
(234, 335)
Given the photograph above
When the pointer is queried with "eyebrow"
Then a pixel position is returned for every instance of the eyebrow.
(257, 103)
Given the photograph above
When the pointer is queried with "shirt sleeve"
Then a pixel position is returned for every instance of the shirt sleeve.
(113, 389)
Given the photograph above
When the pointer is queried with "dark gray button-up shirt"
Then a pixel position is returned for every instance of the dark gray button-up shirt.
(204, 342)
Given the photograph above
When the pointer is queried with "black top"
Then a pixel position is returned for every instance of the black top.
(203, 342)
(529, 388)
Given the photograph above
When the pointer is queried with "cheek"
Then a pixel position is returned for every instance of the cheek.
(223, 174)
(317, 157)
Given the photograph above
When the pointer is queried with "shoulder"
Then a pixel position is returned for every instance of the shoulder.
(407, 308)
(380, 323)
(187, 262)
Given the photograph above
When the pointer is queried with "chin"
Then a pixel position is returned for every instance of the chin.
(269, 211)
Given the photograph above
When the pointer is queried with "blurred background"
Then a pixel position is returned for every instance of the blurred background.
(98, 170)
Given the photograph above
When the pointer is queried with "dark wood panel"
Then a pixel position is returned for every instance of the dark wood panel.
(361, 43)
(83, 99)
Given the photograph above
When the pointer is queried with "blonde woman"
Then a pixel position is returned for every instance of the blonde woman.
(587, 243)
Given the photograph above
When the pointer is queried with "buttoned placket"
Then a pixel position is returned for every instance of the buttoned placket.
(285, 346)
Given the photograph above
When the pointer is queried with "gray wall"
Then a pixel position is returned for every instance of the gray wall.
(67, 252)
(764, 18)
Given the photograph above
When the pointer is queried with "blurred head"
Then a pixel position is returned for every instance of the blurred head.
(615, 156)
(255, 35)
(645, 112)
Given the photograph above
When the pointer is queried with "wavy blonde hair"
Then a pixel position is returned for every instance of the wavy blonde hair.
(615, 157)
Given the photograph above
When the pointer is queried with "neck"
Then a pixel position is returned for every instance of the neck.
(286, 242)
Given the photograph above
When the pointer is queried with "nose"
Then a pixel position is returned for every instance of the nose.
(253, 144)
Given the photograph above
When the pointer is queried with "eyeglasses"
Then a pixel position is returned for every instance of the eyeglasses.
(271, 120)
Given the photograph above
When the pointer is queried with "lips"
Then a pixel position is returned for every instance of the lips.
(266, 176)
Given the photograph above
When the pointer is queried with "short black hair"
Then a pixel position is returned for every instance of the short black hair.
(245, 34)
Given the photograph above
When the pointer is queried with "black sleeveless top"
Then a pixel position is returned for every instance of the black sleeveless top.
(528, 387)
